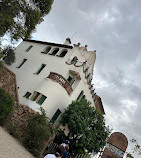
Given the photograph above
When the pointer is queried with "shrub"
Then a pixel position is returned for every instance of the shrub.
(12, 129)
(38, 132)
(6, 105)
(10, 57)
(1, 64)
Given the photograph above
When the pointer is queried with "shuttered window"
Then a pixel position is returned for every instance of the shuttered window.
(42, 99)
(36, 96)
(55, 116)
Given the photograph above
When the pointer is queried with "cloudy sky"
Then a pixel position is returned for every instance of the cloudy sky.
(113, 28)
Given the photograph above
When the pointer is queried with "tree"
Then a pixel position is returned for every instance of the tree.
(8, 55)
(87, 130)
(20, 17)
(38, 132)
(6, 105)
(129, 155)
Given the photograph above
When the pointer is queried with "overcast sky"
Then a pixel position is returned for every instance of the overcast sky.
(113, 28)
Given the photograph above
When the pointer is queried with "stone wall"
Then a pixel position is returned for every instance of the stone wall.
(9, 84)
(18, 120)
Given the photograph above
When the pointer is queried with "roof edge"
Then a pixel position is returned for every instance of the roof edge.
(49, 43)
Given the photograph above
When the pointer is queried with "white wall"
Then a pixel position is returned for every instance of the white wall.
(57, 97)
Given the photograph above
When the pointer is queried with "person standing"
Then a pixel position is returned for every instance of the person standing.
(66, 146)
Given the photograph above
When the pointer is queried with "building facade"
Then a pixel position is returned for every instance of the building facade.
(53, 75)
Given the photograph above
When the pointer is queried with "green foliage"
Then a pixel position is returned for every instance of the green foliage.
(10, 55)
(12, 129)
(136, 149)
(60, 137)
(43, 5)
(33, 17)
(38, 131)
(1, 64)
(87, 130)
(129, 155)
(20, 17)
(6, 105)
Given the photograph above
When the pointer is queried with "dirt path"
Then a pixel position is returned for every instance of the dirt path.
(10, 148)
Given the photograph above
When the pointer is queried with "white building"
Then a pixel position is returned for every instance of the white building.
(52, 75)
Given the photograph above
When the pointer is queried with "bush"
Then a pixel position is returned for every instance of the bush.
(38, 132)
(12, 129)
(6, 105)
(10, 57)
(1, 64)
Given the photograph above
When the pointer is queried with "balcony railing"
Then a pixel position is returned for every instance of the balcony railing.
(62, 81)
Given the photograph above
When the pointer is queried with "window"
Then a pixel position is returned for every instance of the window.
(36, 96)
(63, 53)
(74, 60)
(41, 100)
(27, 95)
(29, 48)
(41, 68)
(80, 96)
(47, 50)
(55, 116)
(55, 51)
(71, 80)
(24, 60)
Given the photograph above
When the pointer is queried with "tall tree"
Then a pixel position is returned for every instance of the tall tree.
(19, 18)
(87, 130)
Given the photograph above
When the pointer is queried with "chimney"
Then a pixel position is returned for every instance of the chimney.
(68, 41)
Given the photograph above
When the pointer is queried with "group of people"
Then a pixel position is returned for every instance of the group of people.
(61, 151)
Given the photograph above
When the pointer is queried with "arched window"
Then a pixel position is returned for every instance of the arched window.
(55, 51)
(47, 50)
(74, 60)
(63, 53)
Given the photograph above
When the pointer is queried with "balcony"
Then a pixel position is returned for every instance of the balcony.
(62, 81)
